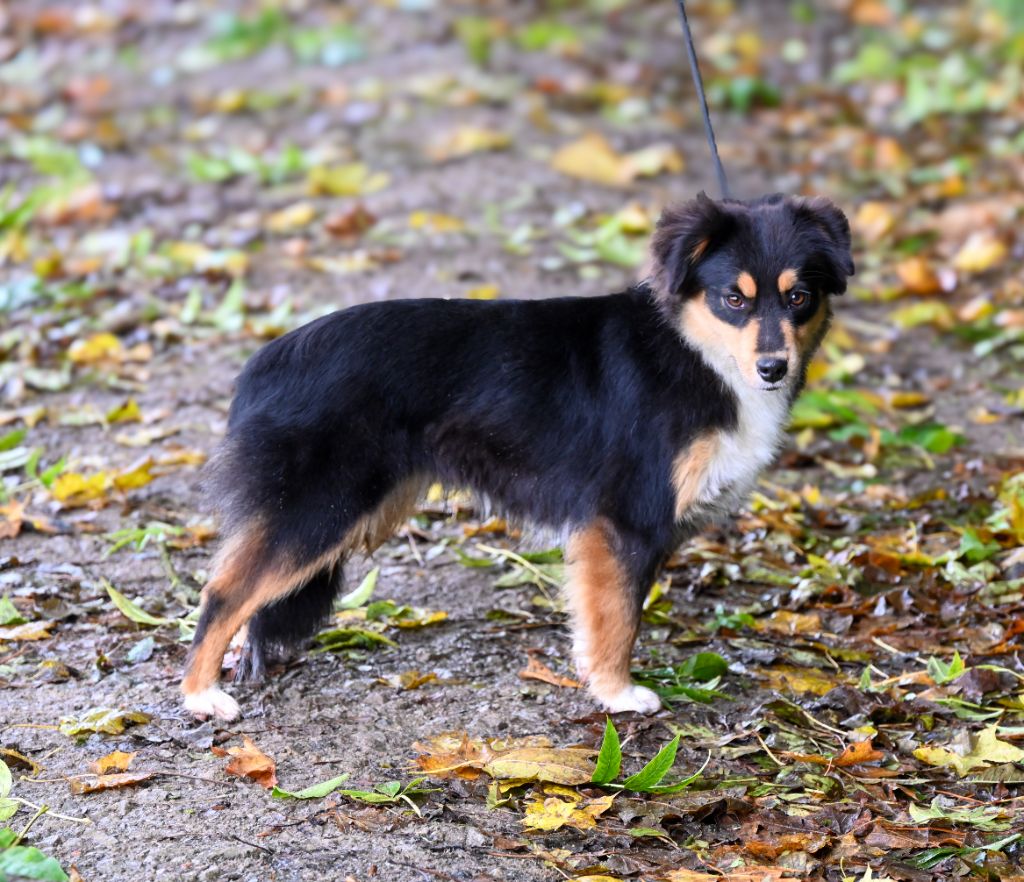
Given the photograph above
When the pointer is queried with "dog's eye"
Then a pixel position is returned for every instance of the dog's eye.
(797, 298)
(736, 301)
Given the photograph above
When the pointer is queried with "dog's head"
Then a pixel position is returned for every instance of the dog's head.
(748, 283)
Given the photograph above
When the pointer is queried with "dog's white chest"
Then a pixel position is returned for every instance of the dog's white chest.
(742, 453)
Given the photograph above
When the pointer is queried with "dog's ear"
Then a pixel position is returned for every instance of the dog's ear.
(821, 216)
(686, 234)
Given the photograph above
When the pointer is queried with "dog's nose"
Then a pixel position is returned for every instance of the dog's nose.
(771, 369)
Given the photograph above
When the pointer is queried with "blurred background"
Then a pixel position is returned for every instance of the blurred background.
(182, 181)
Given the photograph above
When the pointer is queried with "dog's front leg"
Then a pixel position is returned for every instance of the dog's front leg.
(605, 611)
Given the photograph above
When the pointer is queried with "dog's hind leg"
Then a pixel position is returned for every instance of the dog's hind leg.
(605, 601)
(248, 576)
(288, 622)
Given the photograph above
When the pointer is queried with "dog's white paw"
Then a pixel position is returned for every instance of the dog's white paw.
(634, 698)
(213, 702)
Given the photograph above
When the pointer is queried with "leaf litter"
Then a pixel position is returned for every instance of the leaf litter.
(840, 663)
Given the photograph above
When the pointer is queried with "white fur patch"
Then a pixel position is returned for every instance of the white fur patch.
(213, 702)
(753, 445)
(634, 698)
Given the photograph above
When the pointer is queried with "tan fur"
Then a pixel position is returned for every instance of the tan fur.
(787, 279)
(745, 282)
(698, 250)
(371, 530)
(245, 592)
(689, 469)
(809, 334)
(598, 592)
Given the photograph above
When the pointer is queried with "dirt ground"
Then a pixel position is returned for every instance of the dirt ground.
(837, 563)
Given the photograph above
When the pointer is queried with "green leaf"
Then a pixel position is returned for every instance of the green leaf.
(942, 673)
(26, 862)
(703, 666)
(316, 791)
(655, 770)
(12, 439)
(9, 614)
(609, 760)
(131, 610)
(974, 548)
(350, 638)
(360, 595)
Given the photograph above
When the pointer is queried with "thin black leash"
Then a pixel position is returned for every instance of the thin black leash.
(723, 184)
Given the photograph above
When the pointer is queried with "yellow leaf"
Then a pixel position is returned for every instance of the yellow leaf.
(437, 223)
(28, 631)
(982, 251)
(549, 814)
(353, 179)
(655, 160)
(926, 312)
(118, 761)
(484, 292)
(466, 140)
(788, 678)
(634, 219)
(874, 221)
(199, 258)
(421, 618)
(294, 217)
(73, 488)
(137, 476)
(559, 766)
(98, 347)
(592, 158)
(128, 412)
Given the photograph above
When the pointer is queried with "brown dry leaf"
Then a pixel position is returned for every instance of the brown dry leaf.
(349, 224)
(918, 276)
(13, 516)
(453, 754)
(248, 761)
(537, 670)
(118, 761)
(557, 765)
(787, 622)
(750, 874)
(852, 755)
(109, 782)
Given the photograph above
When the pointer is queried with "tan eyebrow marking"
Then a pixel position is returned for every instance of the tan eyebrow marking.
(787, 279)
(745, 282)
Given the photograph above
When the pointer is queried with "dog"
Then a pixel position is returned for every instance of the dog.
(628, 421)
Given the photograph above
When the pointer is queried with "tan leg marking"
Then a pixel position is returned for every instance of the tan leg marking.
(787, 279)
(690, 469)
(745, 282)
(605, 621)
(244, 590)
(371, 530)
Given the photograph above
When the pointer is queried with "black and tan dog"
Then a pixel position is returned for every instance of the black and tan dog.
(627, 421)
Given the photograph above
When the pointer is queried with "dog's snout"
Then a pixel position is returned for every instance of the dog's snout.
(771, 369)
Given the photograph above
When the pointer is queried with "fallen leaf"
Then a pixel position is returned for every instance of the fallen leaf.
(108, 782)
(294, 217)
(592, 158)
(354, 179)
(97, 348)
(553, 813)
(118, 761)
(435, 222)
(537, 670)
(556, 765)
(28, 631)
(484, 292)
(353, 222)
(917, 276)
(466, 140)
(105, 720)
(982, 251)
(874, 221)
(248, 761)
